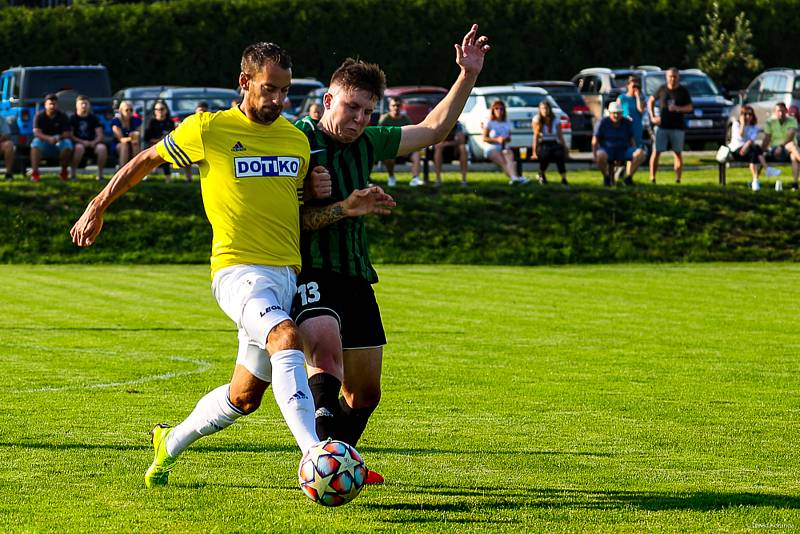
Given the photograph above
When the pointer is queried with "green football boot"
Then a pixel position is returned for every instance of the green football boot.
(158, 472)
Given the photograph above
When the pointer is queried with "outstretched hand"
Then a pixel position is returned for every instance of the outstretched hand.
(85, 230)
(470, 53)
(370, 200)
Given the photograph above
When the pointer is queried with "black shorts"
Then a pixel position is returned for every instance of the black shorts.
(348, 299)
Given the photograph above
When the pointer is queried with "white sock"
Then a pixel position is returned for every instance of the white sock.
(212, 413)
(290, 387)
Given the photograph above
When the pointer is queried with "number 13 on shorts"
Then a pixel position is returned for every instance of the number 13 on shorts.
(309, 293)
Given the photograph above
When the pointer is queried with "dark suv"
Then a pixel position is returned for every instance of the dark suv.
(569, 99)
(22, 90)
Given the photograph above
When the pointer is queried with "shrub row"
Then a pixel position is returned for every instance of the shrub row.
(164, 223)
(199, 42)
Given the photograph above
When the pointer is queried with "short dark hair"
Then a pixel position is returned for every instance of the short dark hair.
(676, 70)
(781, 105)
(634, 80)
(82, 97)
(357, 74)
(202, 104)
(51, 96)
(257, 55)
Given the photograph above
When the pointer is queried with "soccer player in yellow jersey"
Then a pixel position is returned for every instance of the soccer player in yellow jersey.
(252, 164)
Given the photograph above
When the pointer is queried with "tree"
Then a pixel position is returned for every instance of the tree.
(725, 55)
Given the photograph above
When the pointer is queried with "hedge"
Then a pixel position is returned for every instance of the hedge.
(485, 224)
(200, 42)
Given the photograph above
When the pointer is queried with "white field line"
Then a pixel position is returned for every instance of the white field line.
(201, 367)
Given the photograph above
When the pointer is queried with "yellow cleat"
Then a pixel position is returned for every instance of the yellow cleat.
(158, 472)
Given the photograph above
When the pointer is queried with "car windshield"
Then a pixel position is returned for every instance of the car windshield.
(519, 100)
(93, 83)
(697, 84)
(215, 101)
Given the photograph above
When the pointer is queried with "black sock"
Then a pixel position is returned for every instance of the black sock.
(354, 421)
(325, 390)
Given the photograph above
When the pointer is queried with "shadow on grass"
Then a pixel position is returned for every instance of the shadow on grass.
(114, 329)
(145, 446)
(491, 499)
(423, 452)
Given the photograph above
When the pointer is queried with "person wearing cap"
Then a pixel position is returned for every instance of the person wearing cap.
(674, 101)
(614, 140)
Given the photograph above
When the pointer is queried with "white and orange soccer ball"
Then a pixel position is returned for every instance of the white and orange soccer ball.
(331, 473)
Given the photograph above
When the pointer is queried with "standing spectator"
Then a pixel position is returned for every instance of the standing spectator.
(160, 125)
(674, 102)
(87, 136)
(744, 146)
(633, 107)
(395, 117)
(315, 112)
(614, 140)
(779, 140)
(51, 132)
(458, 141)
(548, 142)
(496, 136)
(126, 133)
(7, 148)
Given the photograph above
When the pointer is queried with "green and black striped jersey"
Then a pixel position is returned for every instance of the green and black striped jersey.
(342, 247)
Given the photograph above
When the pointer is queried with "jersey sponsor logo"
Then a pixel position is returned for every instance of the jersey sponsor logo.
(248, 167)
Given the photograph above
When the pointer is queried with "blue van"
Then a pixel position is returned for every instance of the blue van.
(22, 91)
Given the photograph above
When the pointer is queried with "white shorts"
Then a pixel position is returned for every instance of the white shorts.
(257, 298)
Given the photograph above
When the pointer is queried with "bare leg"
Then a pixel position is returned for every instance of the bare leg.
(654, 165)
(678, 166)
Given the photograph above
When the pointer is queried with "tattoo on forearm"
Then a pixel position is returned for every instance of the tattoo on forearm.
(315, 218)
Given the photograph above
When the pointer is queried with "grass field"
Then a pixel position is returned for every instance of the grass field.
(579, 399)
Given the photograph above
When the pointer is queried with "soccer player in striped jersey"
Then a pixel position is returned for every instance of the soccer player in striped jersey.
(335, 306)
(252, 167)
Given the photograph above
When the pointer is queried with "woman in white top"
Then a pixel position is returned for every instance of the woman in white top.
(744, 145)
(496, 136)
(548, 142)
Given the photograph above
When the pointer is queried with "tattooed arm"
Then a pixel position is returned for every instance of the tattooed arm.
(360, 202)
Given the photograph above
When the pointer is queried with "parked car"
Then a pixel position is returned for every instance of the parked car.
(767, 89)
(522, 104)
(600, 86)
(142, 97)
(298, 91)
(182, 101)
(22, 90)
(706, 124)
(569, 99)
(416, 100)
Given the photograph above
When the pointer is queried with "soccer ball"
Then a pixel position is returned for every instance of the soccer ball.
(331, 473)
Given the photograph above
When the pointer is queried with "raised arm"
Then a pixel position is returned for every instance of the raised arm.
(86, 229)
(439, 122)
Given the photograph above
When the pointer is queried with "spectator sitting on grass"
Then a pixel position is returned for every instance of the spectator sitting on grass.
(779, 140)
(126, 133)
(458, 141)
(395, 117)
(52, 138)
(614, 140)
(744, 146)
(7, 148)
(87, 136)
(496, 137)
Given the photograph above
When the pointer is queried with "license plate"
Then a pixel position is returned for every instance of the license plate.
(521, 125)
(701, 123)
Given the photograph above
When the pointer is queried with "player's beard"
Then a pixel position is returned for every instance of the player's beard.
(265, 114)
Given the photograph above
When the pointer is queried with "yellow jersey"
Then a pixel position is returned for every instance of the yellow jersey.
(251, 177)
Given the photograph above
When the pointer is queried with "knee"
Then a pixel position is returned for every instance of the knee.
(100, 150)
(246, 402)
(284, 336)
(365, 397)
